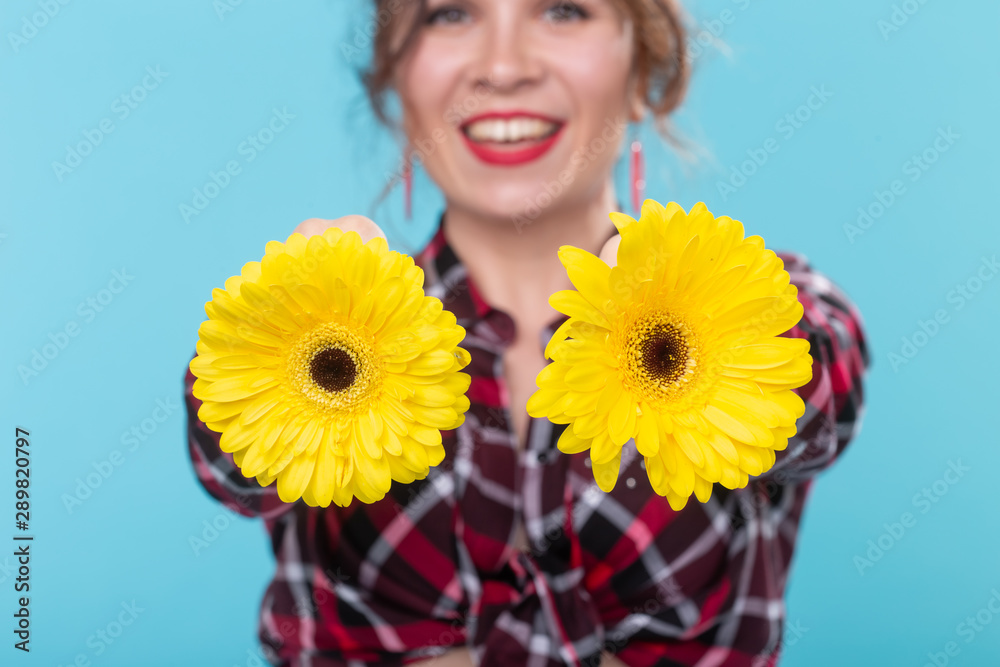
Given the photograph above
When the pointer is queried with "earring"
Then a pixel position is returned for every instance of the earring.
(407, 185)
(638, 180)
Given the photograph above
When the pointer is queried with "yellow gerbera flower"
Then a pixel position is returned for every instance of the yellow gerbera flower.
(678, 348)
(325, 366)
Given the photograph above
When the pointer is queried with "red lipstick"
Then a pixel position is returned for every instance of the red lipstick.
(491, 152)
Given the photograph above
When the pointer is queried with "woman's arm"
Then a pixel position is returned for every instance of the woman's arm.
(218, 473)
(834, 397)
(215, 469)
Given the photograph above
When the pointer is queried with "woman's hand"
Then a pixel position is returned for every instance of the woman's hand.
(608, 660)
(461, 657)
(348, 223)
(456, 657)
(609, 253)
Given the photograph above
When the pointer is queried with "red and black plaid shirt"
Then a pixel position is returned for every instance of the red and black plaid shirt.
(433, 565)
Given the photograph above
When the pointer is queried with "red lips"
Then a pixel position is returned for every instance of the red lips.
(491, 153)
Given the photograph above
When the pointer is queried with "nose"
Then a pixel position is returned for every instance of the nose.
(508, 57)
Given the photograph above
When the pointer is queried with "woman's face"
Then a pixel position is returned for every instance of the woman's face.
(561, 68)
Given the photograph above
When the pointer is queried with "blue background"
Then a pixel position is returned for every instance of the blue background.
(62, 239)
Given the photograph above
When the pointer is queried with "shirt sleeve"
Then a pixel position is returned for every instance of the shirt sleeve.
(834, 397)
(218, 473)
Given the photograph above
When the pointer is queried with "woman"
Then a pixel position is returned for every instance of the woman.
(508, 554)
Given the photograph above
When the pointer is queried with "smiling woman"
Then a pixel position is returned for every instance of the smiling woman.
(508, 553)
(614, 60)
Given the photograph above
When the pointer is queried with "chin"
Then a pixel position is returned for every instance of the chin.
(510, 203)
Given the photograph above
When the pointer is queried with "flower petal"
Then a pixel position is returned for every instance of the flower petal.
(606, 474)
(647, 441)
(602, 449)
(621, 425)
(572, 303)
(293, 479)
(588, 273)
(570, 443)
(689, 443)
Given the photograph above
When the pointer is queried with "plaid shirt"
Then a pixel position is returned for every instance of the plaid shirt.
(434, 564)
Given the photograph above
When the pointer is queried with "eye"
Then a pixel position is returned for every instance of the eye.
(565, 10)
(448, 14)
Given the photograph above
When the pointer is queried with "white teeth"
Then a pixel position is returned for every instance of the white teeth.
(509, 130)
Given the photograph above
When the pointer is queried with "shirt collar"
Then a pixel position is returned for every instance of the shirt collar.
(447, 278)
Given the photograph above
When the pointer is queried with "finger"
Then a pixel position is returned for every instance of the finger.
(609, 253)
(365, 227)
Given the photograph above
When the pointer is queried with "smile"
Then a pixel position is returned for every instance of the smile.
(510, 138)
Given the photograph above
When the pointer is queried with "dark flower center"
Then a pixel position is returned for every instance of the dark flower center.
(333, 369)
(664, 352)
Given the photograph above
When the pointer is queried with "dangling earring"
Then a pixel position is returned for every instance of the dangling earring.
(407, 185)
(638, 180)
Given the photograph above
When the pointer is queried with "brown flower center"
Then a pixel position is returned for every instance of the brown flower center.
(663, 352)
(660, 355)
(333, 369)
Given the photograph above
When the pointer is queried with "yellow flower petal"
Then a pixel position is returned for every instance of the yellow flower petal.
(647, 441)
(621, 220)
(570, 443)
(602, 449)
(686, 356)
(573, 304)
(702, 489)
(293, 479)
(606, 473)
(371, 474)
(622, 423)
(308, 357)
(587, 376)
(587, 273)
(688, 442)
